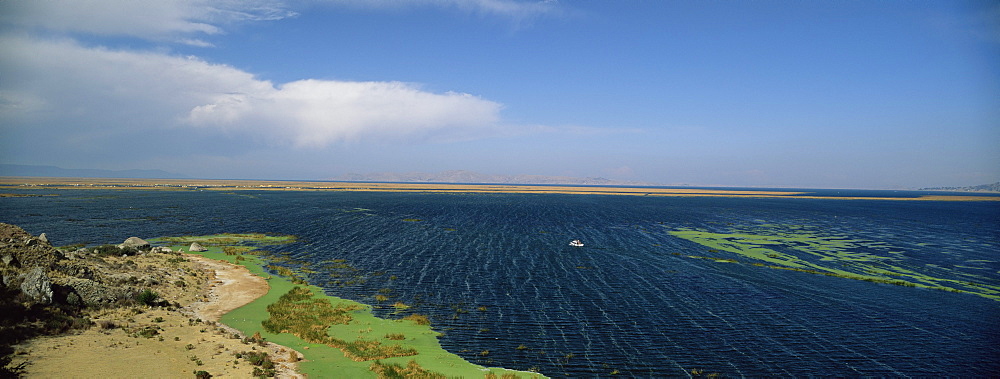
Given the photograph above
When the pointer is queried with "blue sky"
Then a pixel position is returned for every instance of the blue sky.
(856, 94)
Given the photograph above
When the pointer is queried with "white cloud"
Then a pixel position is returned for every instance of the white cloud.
(514, 9)
(315, 113)
(178, 20)
(150, 19)
(131, 91)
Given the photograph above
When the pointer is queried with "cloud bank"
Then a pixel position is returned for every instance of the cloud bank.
(53, 79)
(315, 113)
(165, 20)
(64, 81)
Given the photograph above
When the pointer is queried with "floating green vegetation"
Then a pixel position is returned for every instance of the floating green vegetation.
(799, 248)
(342, 337)
(412, 219)
(228, 239)
(299, 313)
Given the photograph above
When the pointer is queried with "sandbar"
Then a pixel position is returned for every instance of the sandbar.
(275, 185)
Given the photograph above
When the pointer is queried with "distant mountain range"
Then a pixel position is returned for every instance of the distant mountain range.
(462, 176)
(995, 187)
(59, 172)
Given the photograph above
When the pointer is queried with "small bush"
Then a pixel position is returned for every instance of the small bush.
(256, 358)
(148, 332)
(147, 297)
(395, 336)
(108, 250)
(106, 324)
(268, 373)
(202, 374)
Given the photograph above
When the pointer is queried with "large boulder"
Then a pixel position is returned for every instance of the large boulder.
(135, 243)
(37, 286)
(196, 247)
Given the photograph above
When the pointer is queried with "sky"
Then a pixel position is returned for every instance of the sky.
(795, 94)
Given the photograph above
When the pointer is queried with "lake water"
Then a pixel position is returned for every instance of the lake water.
(495, 273)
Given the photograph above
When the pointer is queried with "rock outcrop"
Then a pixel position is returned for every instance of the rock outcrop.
(135, 243)
(26, 250)
(35, 284)
(196, 247)
(98, 276)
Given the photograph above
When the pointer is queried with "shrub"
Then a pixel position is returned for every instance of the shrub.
(106, 324)
(147, 297)
(148, 332)
(261, 373)
(108, 250)
(256, 358)
(202, 374)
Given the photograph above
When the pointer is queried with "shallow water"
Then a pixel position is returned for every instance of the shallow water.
(496, 274)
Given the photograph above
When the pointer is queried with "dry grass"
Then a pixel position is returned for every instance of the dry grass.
(419, 319)
(412, 370)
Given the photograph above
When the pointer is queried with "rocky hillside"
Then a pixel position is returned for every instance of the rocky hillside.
(48, 291)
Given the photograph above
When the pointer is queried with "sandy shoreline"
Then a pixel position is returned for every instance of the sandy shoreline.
(273, 185)
(231, 286)
(182, 345)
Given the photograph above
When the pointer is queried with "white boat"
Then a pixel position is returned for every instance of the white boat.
(576, 243)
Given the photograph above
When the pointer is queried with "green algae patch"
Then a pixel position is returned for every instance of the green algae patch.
(228, 239)
(798, 248)
(336, 337)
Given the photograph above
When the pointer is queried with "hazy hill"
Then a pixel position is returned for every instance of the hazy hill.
(59, 172)
(994, 187)
(462, 176)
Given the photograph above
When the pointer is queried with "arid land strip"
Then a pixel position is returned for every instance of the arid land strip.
(274, 185)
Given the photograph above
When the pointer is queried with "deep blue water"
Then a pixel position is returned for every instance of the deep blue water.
(632, 300)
